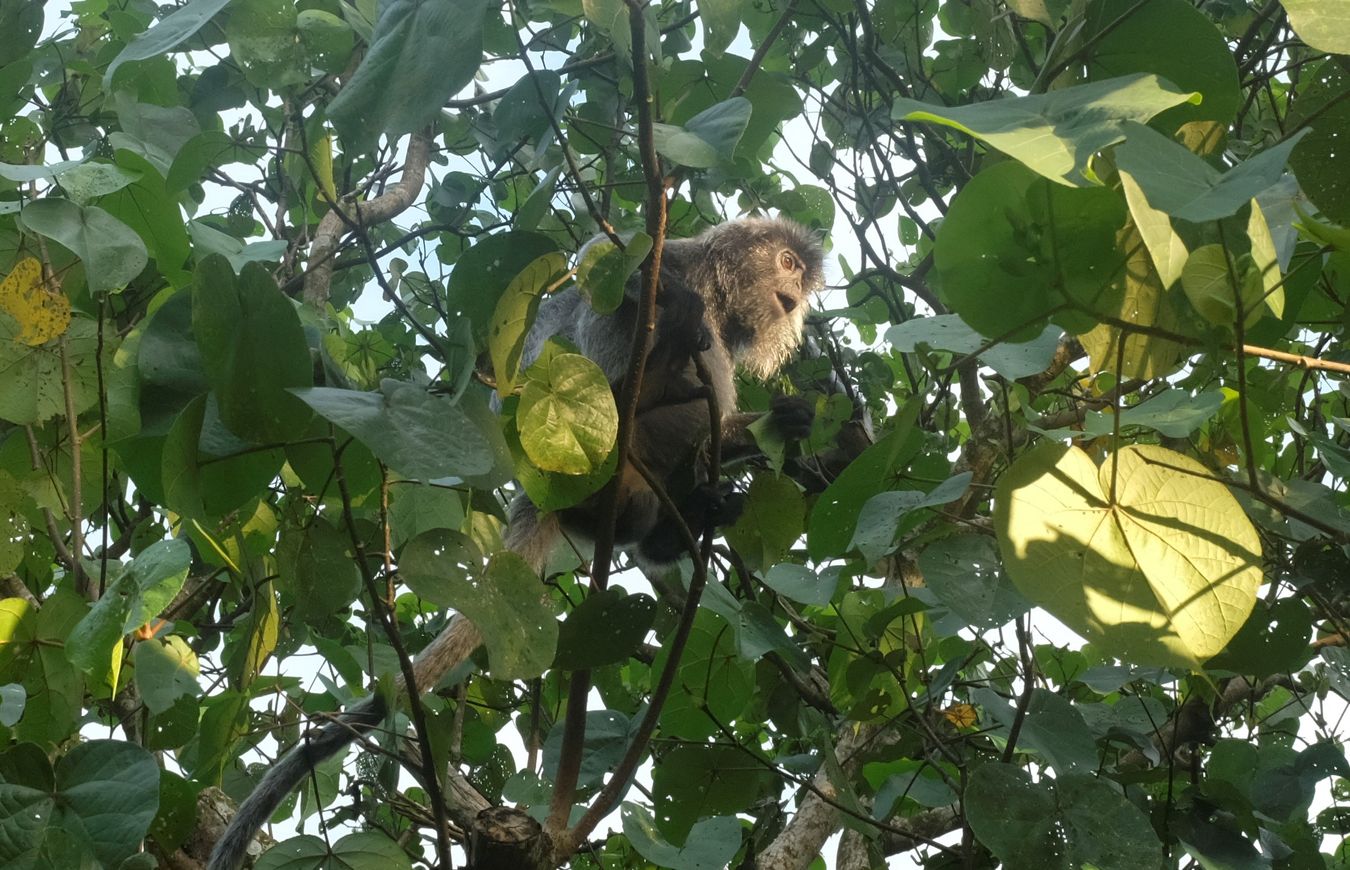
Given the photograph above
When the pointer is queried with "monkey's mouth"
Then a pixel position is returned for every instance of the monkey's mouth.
(787, 302)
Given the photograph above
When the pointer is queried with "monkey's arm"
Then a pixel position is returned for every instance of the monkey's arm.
(790, 415)
(607, 339)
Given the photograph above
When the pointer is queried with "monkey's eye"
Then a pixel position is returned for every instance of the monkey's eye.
(787, 262)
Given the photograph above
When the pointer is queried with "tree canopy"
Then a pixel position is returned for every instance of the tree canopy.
(1059, 578)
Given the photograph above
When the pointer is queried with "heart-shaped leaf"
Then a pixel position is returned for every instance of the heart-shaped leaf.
(1165, 572)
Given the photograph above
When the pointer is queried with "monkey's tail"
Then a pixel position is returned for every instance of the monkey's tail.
(288, 773)
(529, 535)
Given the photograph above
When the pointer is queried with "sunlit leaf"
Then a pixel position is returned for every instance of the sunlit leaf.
(1146, 555)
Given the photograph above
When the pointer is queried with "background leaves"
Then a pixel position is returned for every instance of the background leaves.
(272, 269)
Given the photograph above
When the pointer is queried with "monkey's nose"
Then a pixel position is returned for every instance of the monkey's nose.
(787, 302)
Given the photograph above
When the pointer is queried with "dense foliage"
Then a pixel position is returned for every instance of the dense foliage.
(1083, 355)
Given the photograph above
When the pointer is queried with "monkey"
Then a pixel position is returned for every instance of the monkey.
(735, 295)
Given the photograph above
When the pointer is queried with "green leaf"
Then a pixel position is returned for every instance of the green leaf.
(567, 417)
(772, 521)
(881, 516)
(212, 241)
(177, 815)
(1155, 228)
(415, 433)
(1145, 302)
(513, 613)
(1170, 39)
(1322, 24)
(423, 52)
(87, 181)
(540, 200)
(949, 332)
(436, 558)
(317, 569)
(708, 138)
(1177, 182)
(1055, 134)
(260, 639)
(13, 698)
(1174, 413)
(603, 270)
(1050, 725)
(32, 652)
(156, 133)
(32, 379)
(522, 114)
(23, 173)
(1273, 640)
(1166, 574)
(835, 514)
(694, 782)
(965, 573)
(166, 670)
(146, 206)
(604, 629)
(171, 30)
(1058, 823)
(328, 40)
(205, 469)
(1283, 788)
(253, 349)
(514, 314)
(802, 584)
(112, 252)
(141, 593)
(482, 274)
(716, 682)
(307, 852)
(711, 843)
(550, 491)
(14, 524)
(721, 22)
(264, 40)
(607, 736)
(1016, 250)
(1208, 278)
(1324, 105)
(104, 793)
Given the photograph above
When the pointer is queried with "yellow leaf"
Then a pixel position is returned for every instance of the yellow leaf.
(321, 155)
(41, 315)
(960, 715)
(1148, 556)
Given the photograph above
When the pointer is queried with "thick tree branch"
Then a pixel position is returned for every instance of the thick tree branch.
(334, 225)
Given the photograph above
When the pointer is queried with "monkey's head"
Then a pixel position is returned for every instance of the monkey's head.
(757, 278)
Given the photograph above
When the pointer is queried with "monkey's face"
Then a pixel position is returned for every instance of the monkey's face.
(766, 309)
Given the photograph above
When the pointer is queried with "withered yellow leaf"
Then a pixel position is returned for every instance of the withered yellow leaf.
(41, 315)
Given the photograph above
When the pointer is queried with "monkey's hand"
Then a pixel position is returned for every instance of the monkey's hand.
(723, 504)
(681, 329)
(708, 504)
(792, 416)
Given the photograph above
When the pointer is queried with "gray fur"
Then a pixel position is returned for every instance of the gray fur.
(736, 269)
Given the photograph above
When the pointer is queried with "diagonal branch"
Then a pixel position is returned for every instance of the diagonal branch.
(334, 225)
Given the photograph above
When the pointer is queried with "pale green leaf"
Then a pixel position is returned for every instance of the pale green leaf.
(1164, 575)
(1055, 134)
